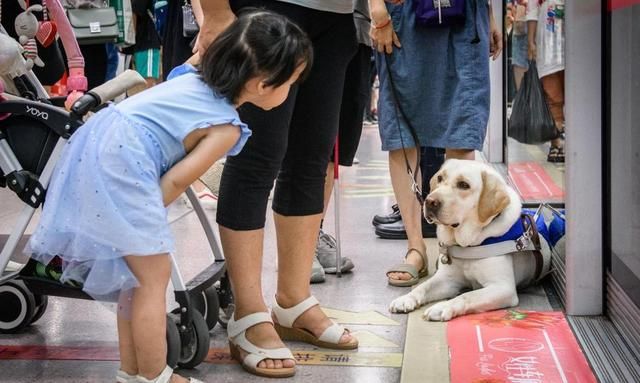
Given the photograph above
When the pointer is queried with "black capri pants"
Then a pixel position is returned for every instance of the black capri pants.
(292, 142)
(355, 98)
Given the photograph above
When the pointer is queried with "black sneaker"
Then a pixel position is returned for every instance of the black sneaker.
(396, 230)
(389, 218)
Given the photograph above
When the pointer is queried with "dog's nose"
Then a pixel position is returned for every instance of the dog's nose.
(432, 204)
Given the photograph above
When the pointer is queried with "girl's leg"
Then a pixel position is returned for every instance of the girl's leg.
(148, 313)
(128, 361)
(410, 209)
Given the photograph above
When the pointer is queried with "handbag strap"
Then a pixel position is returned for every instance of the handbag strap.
(413, 174)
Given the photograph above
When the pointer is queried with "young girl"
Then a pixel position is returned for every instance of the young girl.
(105, 212)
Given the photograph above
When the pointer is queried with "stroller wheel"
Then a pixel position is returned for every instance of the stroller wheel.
(18, 306)
(173, 342)
(194, 342)
(42, 301)
(208, 305)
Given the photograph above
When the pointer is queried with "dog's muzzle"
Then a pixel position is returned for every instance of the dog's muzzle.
(430, 209)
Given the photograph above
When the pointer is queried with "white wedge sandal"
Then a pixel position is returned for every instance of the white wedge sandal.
(164, 377)
(330, 338)
(236, 329)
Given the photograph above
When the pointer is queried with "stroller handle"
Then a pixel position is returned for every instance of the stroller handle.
(107, 91)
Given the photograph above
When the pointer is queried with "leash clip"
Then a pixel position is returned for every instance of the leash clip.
(523, 241)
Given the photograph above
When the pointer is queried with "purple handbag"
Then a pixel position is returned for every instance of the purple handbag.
(440, 13)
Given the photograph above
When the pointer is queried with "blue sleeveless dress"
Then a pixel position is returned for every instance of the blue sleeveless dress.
(104, 201)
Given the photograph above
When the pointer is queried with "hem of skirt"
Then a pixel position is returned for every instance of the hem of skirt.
(397, 145)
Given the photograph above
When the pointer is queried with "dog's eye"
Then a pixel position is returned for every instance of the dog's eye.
(439, 179)
(463, 185)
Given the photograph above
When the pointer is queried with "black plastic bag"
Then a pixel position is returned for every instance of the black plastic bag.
(531, 121)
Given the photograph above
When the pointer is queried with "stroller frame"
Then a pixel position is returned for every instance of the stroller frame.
(201, 304)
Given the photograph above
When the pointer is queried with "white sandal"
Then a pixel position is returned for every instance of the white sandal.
(236, 329)
(330, 338)
(164, 377)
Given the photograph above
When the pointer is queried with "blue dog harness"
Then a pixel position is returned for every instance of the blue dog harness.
(523, 236)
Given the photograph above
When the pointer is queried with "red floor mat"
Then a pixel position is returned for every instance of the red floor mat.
(509, 346)
(533, 183)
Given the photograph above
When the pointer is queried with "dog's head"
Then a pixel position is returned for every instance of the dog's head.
(465, 196)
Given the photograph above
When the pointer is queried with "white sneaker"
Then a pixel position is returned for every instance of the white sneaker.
(317, 272)
(326, 254)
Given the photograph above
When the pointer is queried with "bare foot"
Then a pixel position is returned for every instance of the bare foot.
(263, 335)
(413, 258)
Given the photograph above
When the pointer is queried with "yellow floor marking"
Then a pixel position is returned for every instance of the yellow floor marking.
(324, 358)
(363, 317)
(369, 339)
(425, 347)
(426, 351)
(351, 359)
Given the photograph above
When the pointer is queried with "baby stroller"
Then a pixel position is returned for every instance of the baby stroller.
(33, 131)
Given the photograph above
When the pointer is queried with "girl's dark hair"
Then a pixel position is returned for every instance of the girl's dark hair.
(258, 43)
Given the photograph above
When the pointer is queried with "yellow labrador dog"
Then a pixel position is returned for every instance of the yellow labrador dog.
(470, 202)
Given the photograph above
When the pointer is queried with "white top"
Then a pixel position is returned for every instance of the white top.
(336, 6)
(549, 34)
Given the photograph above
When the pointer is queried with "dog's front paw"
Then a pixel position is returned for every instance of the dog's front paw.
(404, 304)
(442, 311)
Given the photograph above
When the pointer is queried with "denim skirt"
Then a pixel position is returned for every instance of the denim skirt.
(440, 80)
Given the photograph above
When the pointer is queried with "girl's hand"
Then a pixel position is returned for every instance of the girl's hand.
(383, 39)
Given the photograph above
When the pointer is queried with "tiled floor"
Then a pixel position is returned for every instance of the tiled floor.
(365, 191)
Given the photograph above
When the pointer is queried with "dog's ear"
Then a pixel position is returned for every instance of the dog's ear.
(493, 198)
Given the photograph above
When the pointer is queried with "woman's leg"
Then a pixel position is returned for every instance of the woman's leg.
(243, 252)
(148, 313)
(296, 243)
(328, 187)
(518, 74)
(553, 86)
(410, 209)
